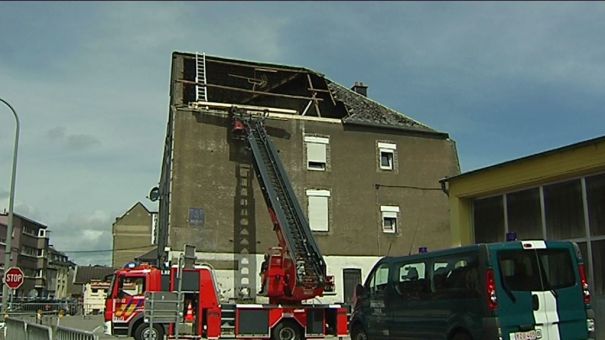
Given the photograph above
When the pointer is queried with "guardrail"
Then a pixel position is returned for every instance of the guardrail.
(64, 333)
(16, 329)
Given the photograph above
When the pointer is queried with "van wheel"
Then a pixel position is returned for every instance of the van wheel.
(461, 336)
(143, 332)
(358, 333)
(287, 330)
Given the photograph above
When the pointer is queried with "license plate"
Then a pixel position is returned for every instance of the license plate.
(529, 335)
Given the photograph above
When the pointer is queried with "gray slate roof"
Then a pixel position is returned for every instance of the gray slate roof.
(89, 273)
(363, 110)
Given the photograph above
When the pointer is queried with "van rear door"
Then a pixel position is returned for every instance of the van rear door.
(539, 294)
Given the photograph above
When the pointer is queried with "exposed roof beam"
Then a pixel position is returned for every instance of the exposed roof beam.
(247, 91)
(273, 87)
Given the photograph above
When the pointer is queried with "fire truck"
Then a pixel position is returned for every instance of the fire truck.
(294, 272)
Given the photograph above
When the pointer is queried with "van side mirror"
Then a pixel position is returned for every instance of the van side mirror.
(360, 291)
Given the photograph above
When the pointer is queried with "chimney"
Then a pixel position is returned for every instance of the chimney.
(360, 88)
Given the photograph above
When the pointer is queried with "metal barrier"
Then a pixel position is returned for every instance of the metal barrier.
(15, 329)
(64, 333)
(38, 332)
(22, 330)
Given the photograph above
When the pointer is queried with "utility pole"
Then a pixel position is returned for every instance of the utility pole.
(11, 201)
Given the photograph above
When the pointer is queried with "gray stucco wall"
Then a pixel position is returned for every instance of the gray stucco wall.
(205, 176)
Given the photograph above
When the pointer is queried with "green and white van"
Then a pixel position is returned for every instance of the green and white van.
(516, 290)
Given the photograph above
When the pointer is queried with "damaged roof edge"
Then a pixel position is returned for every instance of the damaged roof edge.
(349, 121)
(251, 63)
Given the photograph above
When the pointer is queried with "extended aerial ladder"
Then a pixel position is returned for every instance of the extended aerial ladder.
(295, 270)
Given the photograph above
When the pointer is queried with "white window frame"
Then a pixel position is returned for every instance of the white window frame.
(320, 144)
(315, 196)
(389, 212)
(389, 149)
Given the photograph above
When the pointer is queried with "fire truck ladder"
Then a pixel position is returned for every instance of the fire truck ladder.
(274, 182)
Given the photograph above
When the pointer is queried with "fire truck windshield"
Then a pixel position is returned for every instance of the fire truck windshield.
(130, 286)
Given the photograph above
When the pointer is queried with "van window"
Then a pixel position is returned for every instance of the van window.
(380, 279)
(456, 275)
(412, 279)
(520, 269)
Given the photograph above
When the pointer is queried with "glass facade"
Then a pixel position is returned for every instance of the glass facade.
(569, 210)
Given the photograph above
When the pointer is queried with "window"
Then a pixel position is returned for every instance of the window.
(380, 279)
(39, 273)
(522, 270)
(351, 278)
(564, 210)
(456, 276)
(41, 232)
(595, 192)
(488, 218)
(412, 280)
(386, 153)
(316, 152)
(318, 209)
(131, 286)
(389, 218)
(525, 214)
(40, 252)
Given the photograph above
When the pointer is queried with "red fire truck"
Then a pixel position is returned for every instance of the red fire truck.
(294, 272)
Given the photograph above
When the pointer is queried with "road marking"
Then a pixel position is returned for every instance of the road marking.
(96, 329)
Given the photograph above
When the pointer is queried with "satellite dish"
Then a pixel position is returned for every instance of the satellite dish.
(154, 194)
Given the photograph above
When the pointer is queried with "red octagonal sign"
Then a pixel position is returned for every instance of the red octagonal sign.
(14, 277)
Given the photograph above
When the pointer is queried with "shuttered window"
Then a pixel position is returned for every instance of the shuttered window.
(386, 155)
(316, 152)
(389, 218)
(318, 209)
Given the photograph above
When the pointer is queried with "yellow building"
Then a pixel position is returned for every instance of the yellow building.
(558, 195)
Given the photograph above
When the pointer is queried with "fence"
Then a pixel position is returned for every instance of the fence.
(64, 333)
(16, 329)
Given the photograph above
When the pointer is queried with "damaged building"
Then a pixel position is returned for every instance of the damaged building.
(366, 176)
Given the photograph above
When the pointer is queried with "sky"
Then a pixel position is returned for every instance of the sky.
(90, 83)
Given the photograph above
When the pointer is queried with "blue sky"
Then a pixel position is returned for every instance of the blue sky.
(90, 83)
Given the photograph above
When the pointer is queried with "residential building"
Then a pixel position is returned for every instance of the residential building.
(60, 271)
(29, 252)
(87, 274)
(133, 234)
(558, 194)
(94, 295)
(366, 176)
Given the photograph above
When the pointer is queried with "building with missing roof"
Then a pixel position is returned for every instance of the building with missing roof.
(367, 176)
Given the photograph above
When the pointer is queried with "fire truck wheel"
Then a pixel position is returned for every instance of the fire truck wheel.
(143, 332)
(287, 330)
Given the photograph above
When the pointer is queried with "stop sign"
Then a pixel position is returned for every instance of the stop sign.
(14, 277)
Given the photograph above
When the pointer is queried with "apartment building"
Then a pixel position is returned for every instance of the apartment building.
(367, 176)
(29, 252)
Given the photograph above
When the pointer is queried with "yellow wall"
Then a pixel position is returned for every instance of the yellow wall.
(565, 163)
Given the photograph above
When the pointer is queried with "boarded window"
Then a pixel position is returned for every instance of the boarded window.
(196, 216)
(318, 209)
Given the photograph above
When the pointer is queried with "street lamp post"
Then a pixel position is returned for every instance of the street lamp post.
(11, 201)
